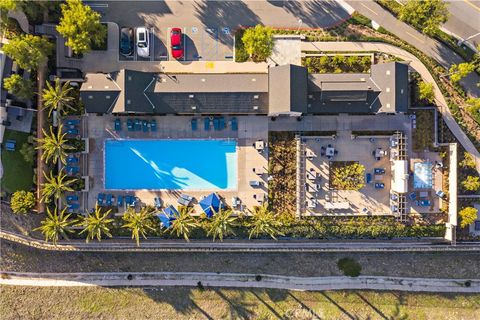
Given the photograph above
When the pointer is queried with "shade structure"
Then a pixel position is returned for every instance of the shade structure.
(168, 215)
(210, 204)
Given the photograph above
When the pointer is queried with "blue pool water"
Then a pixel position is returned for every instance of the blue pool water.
(422, 175)
(170, 164)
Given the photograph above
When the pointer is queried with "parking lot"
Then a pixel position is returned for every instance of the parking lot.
(199, 43)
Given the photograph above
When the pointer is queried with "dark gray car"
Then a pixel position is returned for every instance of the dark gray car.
(126, 41)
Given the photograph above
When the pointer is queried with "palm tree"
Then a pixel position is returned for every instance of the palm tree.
(55, 186)
(58, 97)
(264, 222)
(96, 224)
(55, 225)
(220, 224)
(138, 222)
(54, 146)
(184, 223)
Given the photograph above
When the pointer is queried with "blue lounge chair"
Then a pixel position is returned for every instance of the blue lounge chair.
(72, 206)
(100, 199)
(379, 185)
(153, 125)
(72, 170)
(216, 124)
(413, 196)
(72, 198)
(119, 201)
(118, 125)
(221, 123)
(379, 171)
(206, 124)
(145, 125)
(138, 125)
(368, 177)
(130, 125)
(109, 200)
(424, 203)
(158, 202)
(10, 145)
(72, 131)
(72, 160)
(193, 122)
(234, 124)
(72, 122)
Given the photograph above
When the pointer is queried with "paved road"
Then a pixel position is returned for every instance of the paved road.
(238, 280)
(464, 20)
(432, 48)
(416, 65)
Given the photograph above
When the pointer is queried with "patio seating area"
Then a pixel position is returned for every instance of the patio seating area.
(372, 199)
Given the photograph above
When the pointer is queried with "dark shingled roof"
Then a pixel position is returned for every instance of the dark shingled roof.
(287, 89)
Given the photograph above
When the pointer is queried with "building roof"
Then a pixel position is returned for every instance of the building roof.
(287, 89)
(145, 92)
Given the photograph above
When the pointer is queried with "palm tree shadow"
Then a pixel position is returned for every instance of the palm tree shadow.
(345, 312)
(182, 301)
(380, 313)
(304, 306)
(238, 310)
(269, 307)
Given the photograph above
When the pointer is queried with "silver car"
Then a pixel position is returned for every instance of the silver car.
(143, 42)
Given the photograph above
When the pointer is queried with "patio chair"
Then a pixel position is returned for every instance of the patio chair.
(145, 125)
(73, 206)
(120, 201)
(216, 124)
(335, 152)
(10, 145)
(73, 197)
(138, 125)
(130, 124)
(329, 146)
(206, 124)
(153, 125)
(72, 131)
(72, 170)
(72, 160)
(194, 124)
(100, 199)
(221, 123)
(234, 124)
(71, 122)
(158, 202)
(118, 125)
(109, 200)
(322, 154)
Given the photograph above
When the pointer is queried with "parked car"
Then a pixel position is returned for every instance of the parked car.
(176, 42)
(126, 41)
(143, 42)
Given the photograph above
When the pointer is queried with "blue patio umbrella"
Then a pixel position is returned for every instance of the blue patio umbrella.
(210, 204)
(167, 216)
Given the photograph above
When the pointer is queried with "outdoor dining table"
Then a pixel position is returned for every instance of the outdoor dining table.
(330, 151)
(259, 145)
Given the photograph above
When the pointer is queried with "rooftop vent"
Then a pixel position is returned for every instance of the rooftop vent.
(253, 79)
(89, 87)
(388, 105)
(309, 105)
(129, 78)
(194, 107)
(255, 96)
(401, 91)
(164, 80)
(90, 97)
(387, 90)
(388, 72)
(255, 107)
(129, 101)
(310, 96)
(106, 87)
(362, 79)
(203, 80)
(107, 97)
(191, 96)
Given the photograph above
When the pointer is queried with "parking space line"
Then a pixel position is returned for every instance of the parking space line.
(169, 29)
(184, 44)
(152, 42)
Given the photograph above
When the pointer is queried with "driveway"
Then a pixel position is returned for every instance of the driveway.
(464, 20)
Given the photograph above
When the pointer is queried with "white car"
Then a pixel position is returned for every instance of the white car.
(143, 42)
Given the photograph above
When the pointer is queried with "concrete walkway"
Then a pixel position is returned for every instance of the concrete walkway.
(418, 66)
(238, 280)
(433, 48)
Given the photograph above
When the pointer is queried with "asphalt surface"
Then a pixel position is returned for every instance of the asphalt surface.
(464, 20)
(438, 51)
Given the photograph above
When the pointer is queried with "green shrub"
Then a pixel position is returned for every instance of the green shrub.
(22, 201)
(471, 183)
(258, 42)
(349, 267)
(28, 152)
(467, 216)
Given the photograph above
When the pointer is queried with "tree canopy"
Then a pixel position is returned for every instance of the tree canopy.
(80, 26)
(471, 183)
(425, 91)
(468, 215)
(28, 51)
(426, 15)
(459, 71)
(19, 87)
(55, 225)
(258, 42)
(22, 201)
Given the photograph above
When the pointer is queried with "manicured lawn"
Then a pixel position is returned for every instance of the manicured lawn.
(423, 134)
(186, 303)
(17, 173)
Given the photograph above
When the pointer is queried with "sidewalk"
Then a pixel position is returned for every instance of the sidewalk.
(418, 66)
(238, 280)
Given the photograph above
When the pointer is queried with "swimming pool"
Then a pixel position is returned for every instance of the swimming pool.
(170, 164)
(422, 175)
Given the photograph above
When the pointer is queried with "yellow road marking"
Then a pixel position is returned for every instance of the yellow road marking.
(368, 9)
(414, 36)
(472, 4)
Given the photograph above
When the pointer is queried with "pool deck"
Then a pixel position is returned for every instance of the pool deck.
(250, 129)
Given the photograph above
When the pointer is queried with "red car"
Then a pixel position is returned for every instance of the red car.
(176, 42)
